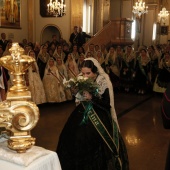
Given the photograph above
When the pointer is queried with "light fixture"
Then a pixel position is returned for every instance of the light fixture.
(140, 8)
(163, 14)
(56, 8)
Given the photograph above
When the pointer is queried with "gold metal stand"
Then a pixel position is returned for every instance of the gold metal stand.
(18, 114)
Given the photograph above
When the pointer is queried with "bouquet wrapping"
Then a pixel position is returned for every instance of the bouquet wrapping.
(81, 84)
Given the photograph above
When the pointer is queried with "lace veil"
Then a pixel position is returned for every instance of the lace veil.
(109, 84)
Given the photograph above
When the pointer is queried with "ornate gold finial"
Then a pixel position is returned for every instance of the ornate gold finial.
(18, 114)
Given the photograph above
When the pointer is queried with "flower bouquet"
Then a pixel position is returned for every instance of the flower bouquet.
(81, 84)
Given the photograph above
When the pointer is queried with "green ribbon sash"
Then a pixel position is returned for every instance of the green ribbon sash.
(111, 142)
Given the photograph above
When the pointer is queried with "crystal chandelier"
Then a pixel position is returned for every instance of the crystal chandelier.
(140, 8)
(163, 14)
(56, 8)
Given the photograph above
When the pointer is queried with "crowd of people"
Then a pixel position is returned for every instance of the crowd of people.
(141, 71)
(113, 68)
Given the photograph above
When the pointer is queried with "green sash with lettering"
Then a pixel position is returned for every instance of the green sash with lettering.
(111, 141)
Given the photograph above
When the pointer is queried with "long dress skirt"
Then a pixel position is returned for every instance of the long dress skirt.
(81, 147)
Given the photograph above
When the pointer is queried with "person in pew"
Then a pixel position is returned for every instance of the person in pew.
(53, 83)
(127, 69)
(34, 82)
(163, 77)
(42, 60)
(72, 67)
(3, 41)
(112, 63)
(63, 76)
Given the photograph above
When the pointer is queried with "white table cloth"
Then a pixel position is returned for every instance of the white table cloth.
(36, 158)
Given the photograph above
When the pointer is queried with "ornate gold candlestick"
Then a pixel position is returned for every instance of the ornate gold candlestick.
(18, 114)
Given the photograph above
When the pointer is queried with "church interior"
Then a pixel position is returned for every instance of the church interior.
(135, 23)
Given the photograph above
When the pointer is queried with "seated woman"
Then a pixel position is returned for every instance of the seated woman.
(42, 59)
(112, 63)
(163, 77)
(63, 76)
(142, 73)
(100, 58)
(34, 82)
(80, 61)
(127, 69)
(71, 65)
(6, 52)
(75, 53)
(52, 83)
(91, 138)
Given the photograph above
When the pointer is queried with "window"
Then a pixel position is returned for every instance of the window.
(133, 31)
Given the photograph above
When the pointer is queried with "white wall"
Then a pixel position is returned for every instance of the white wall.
(148, 27)
(62, 23)
(17, 35)
(127, 9)
(115, 9)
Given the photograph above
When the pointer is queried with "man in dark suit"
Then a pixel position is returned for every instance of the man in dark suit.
(82, 37)
(74, 36)
(3, 41)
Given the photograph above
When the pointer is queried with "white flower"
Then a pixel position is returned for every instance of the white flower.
(80, 78)
(72, 80)
(85, 78)
(68, 85)
(65, 81)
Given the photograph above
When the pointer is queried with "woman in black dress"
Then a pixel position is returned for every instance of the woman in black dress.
(142, 73)
(163, 77)
(127, 69)
(91, 138)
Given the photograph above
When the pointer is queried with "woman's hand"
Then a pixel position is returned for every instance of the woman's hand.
(87, 95)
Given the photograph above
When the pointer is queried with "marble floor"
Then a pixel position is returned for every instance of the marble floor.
(140, 123)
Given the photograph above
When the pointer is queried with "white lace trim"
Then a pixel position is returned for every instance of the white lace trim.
(109, 85)
(101, 81)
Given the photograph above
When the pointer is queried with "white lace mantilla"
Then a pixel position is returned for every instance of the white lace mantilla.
(101, 81)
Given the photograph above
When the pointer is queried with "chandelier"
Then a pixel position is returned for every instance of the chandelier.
(56, 8)
(163, 14)
(140, 8)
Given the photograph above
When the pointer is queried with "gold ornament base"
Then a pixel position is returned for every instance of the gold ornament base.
(13, 95)
(20, 143)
